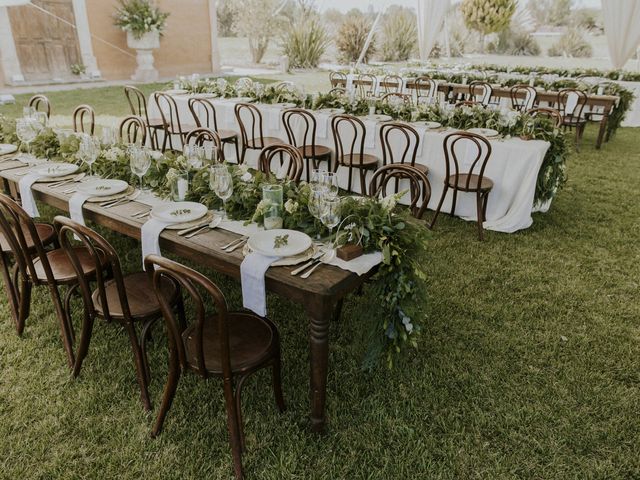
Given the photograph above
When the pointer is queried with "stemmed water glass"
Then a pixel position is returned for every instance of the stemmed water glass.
(27, 129)
(221, 182)
(330, 212)
(109, 136)
(330, 181)
(88, 150)
(139, 161)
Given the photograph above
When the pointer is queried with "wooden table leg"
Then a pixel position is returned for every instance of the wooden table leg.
(319, 311)
(603, 129)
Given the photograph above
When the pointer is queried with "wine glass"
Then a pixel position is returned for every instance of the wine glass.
(221, 182)
(193, 155)
(27, 130)
(139, 161)
(109, 136)
(28, 111)
(330, 182)
(330, 214)
(88, 150)
(316, 176)
(42, 119)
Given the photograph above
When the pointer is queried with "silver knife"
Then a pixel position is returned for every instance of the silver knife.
(314, 259)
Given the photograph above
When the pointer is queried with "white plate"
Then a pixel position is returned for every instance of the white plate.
(485, 132)
(429, 125)
(179, 212)
(103, 188)
(7, 148)
(54, 170)
(264, 243)
(284, 105)
(331, 111)
(176, 91)
(377, 118)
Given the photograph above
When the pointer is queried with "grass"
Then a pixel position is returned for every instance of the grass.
(528, 367)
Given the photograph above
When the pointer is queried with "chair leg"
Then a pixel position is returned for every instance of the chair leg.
(238, 401)
(484, 206)
(244, 153)
(25, 304)
(169, 390)
(276, 373)
(85, 339)
(479, 213)
(453, 203)
(17, 297)
(235, 143)
(145, 336)
(234, 434)
(67, 342)
(140, 366)
(67, 309)
(435, 216)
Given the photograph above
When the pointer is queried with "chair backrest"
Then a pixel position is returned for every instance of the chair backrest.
(202, 136)
(41, 104)
(424, 87)
(250, 122)
(84, 119)
(170, 117)
(289, 158)
(419, 186)
(401, 98)
(480, 92)
(103, 258)
(399, 143)
(16, 226)
(193, 285)
(338, 79)
(302, 122)
(348, 135)
(204, 113)
(285, 86)
(469, 103)
(338, 90)
(468, 145)
(392, 84)
(550, 113)
(523, 97)
(571, 102)
(133, 130)
(366, 84)
(137, 101)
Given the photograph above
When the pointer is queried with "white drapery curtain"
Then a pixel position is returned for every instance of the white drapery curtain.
(431, 14)
(622, 27)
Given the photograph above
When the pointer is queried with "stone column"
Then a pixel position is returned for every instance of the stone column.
(8, 54)
(84, 38)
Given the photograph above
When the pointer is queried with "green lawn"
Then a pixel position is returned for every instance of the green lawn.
(529, 366)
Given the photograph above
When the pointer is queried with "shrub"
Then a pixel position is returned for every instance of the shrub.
(351, 38)
(255, 20)
(571, 44)
(226, 18)
(510, 42)
(487, 16)
(399, 35)
(304, 42)
(139, 17)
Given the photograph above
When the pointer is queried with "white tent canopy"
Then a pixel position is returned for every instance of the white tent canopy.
(622, 27)
(431, 14)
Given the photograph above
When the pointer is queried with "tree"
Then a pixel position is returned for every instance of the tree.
(399, 34)
(352, 37)
(551, 12)
(226, 18)
(487, 16)
(255, 20)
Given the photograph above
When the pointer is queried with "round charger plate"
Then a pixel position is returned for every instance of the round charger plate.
(284, 105)
(377, 118)
(176, 91)
(181, 226)
(103, 187)
(56, 170)
(429, 125)
(485, 132)
(56, 179)
(179, 212)
(287, 261)
(264, 243)
(7, 148)
(115, 196)
(331, 111)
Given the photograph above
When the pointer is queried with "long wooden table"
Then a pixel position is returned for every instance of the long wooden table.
(319, 295)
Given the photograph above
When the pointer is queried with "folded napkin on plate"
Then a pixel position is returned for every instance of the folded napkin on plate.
(28, 202)
(75, 206)
(359, 265)
(150, 237)
(252, 270)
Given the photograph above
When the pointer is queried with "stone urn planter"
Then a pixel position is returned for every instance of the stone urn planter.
(144, 46)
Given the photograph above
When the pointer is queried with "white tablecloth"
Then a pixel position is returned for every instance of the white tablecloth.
(513, 166)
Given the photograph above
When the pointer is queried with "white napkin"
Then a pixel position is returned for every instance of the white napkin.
(150, 237)
(359, 265)
(75, 206)
(28, 202)
(252, 270)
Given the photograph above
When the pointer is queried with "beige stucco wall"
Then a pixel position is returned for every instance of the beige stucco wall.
(184, 48)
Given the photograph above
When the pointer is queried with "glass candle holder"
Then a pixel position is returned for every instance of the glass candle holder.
(272, 195)
(180, 187)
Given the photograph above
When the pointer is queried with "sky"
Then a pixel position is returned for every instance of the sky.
(345, 5)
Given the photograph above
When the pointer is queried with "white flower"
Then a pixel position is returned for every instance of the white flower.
(172, 175)
(242, 169)
(155, 154)
(389, 202)
(113, 154)
(247, 177)
(290, 206)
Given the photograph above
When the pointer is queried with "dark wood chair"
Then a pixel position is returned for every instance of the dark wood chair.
(473, 180)
(366, 84)
(133, 130)
(480, 92)
(349, 136)
(41, 104)
(338, 79)
(392, 84)
(424, 88)
(288, 155)
(84, 119)
(125, 299)
(571, 103)
(172, 125)
(338, 91)
(35, 265)
(138, 105)
(250, 122)
(304, 122)
(523, 97)
(223, 344)
(201, 136)
(551, 113)
(400, 143)
(403, 98)
(204, 114)
(419, 186)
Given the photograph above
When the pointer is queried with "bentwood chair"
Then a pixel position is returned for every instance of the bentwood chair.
(523, 97)
(480, 92)
(133, 130)
(366, 84)
(338, 79)
(400, 143)
(571, 103)
(126, 299)
(251, 131)
(172, 125)
(425, 88)
(289, 157)
(392, 84)
(204, 114)
(349, 136)
(36, 265)
(41, 104)
(396, 98)
(223, 344)
(419, 186)
(138, 105)
(300, 125)
(337, 91)
(471, 180)
(203, 137)
(84, 119)
(550, 113)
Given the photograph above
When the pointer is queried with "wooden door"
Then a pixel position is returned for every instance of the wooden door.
(46, 46)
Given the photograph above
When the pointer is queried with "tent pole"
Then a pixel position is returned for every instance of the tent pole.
(369, 38)
(447, 45)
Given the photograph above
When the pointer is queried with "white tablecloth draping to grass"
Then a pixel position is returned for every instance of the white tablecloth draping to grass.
(513, 166)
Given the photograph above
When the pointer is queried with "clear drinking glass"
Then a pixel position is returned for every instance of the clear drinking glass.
(273, 194)
(194, 155)
(139, 161)
(330, 212)
(28, 112)
(88, 150)
(27, 129)
(180, 187)
(316, 176)
(221, 182)
(330, 182)
(42, 119)
(109, 136)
